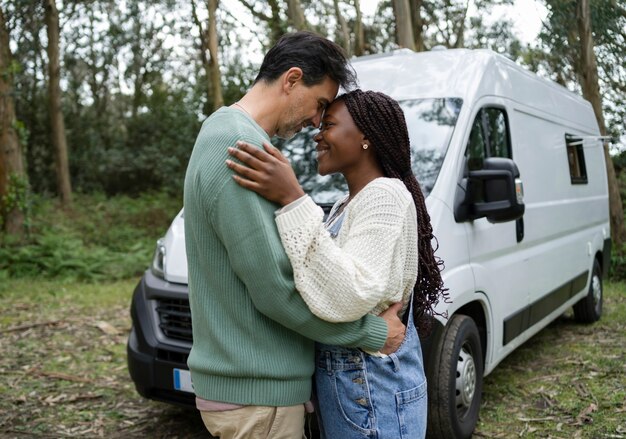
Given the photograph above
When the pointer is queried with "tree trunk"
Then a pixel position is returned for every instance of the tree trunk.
(343, 33)
(204, 48)
(57, 123)
(359, 34)
(216, 77)
(591, 91)
(404, 30)
(459, 41)
(209, 43)
(296, 15)
(136, 66)
(92, 80)
(11, 162)
(418, 24)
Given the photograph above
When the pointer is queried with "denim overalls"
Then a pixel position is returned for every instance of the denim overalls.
(364, 396)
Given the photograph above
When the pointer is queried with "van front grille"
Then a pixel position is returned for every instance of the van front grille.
(175, 318)
(172, 356)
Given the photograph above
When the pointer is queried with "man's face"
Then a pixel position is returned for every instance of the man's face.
(306, 106)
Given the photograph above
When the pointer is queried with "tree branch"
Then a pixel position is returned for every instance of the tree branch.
(620, 10)
(260, 15)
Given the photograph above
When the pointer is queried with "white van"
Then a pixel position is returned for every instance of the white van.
(516, 187)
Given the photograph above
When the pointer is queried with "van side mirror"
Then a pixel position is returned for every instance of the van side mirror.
(495, 192)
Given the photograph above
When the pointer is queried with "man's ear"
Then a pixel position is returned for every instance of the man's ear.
(291, 77)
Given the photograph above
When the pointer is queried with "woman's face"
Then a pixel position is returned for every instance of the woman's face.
(339, 142)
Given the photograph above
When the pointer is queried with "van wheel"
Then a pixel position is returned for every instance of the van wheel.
(455, 381)
(589, 308)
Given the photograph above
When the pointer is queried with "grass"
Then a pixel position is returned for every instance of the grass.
(64, 321)
(568, 381)
(63, 371)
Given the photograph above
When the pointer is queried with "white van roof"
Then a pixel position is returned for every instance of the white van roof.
(470, 75)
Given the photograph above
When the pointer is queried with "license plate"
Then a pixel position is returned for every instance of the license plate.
(182, 380)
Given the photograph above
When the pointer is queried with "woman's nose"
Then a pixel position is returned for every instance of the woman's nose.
(318, 136)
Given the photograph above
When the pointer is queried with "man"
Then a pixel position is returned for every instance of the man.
(252, 358)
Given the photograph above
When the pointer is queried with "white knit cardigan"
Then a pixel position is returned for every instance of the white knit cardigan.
(372, 262)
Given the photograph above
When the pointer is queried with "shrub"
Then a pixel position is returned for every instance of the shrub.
(98, 238)
(617, 269)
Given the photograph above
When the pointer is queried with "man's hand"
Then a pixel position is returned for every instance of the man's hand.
(395, 328)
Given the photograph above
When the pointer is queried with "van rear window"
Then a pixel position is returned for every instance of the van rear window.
(576, 159)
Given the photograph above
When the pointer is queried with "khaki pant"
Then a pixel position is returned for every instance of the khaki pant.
(256, 422)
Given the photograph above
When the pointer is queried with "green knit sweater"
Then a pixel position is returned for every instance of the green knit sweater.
(253, 334)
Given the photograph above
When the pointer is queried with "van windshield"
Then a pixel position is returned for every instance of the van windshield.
(430, 123)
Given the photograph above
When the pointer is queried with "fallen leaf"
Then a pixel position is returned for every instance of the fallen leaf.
(106, 327)
(53, 399)
(584, 416)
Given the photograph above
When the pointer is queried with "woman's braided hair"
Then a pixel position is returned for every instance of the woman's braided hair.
(381, 120)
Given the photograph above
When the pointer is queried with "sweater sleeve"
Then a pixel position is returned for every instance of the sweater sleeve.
(245, 224)
(342, 284)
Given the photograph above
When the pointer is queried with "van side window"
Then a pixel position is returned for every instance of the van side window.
(576, 159)
(489, 137)
(498, 133)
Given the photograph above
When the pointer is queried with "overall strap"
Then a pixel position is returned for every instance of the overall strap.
(334, 227)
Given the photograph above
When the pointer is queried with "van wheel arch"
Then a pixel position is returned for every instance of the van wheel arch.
(476, 312)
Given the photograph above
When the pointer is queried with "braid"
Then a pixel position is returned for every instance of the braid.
(381, 120)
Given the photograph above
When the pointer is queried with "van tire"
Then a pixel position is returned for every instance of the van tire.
(589, 308)
(455, 381)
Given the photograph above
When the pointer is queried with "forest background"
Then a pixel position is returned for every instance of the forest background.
(103, 99)
(100, 104)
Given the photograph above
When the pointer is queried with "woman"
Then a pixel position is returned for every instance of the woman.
(366, 256)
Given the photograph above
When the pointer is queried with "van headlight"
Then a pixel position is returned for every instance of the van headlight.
(158, 261)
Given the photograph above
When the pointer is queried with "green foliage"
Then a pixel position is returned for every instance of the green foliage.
(148, 151)
(13, 68)
(38, 151)
(557, 53)
(17, 193)
(63, 255)
(130, 98)
(17, 197)
(21, 130)
(98, 239)
(617, 270)
(497, 36)
(134, 90)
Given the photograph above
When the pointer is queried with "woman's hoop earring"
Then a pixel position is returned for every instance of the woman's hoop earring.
(365, 146)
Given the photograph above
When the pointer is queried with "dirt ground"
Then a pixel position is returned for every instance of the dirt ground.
(63, 374)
